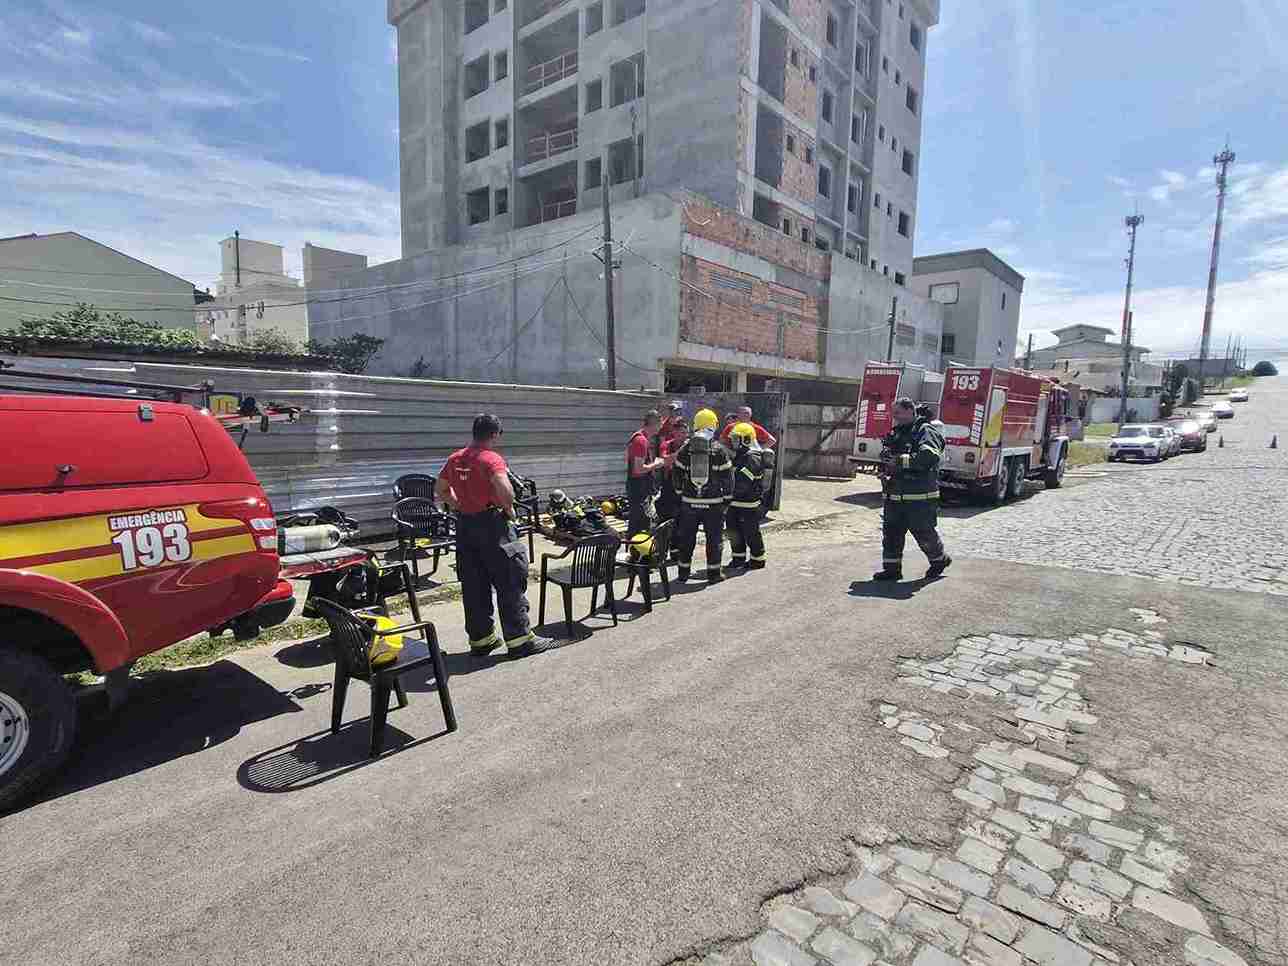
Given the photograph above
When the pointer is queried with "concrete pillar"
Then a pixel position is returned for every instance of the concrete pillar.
(740, 381)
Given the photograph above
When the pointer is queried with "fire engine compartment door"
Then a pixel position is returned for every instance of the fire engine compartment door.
(964, 405)
(876, 402)
(996, 411)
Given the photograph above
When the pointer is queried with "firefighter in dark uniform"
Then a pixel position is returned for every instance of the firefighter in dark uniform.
(748, 492)
(475, 482)
(703, 475)
(910, 473)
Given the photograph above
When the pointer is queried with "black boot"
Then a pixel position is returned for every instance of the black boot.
(888, 574)
(736, 562)
(534, 645)
(714, 576)
(939, 566)
(756, 565)
(682, 574)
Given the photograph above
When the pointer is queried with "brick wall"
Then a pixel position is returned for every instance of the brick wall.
(811, 17)
(801, 97)
(741, 312)
(799, 176)
(706, 220)
(746, 11)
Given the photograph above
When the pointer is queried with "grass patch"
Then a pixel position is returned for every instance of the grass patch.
(1100, 429)
(1085, 454)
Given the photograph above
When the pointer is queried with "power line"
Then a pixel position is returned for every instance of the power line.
(595, 335)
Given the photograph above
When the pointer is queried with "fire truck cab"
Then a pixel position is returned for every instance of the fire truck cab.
(1002, 427)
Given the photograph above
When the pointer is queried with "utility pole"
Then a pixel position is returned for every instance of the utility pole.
(635, 143)
(1133, 222)
(1225, 362)
(1028, 355)
(237, 254)
(1223, 162)
(608, 291)
(894, 307)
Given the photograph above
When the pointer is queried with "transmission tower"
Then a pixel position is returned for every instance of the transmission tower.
(1133, 222)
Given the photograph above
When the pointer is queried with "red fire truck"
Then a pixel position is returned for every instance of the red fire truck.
(883, 383)
(1002, 427)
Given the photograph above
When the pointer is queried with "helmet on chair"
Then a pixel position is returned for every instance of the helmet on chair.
(705, 421)
(743, 435)
(558, 501)
(608, 508)
(641, 546)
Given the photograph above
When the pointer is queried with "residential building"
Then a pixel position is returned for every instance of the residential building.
(806, 114)
(980, 294)
(1084, 352)
(42, 274)
(743, 179)
(255, 294)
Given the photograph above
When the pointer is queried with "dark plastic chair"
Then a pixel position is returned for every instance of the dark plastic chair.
(351, 636)
(658, 561)
(594, 564)
(422, 527)
(414, 484)
(527, 510)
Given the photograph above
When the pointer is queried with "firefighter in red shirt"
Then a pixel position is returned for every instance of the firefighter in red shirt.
(670, 438)
(475, 482)
(640, 467)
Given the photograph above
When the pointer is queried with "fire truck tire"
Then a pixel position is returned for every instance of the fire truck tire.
(1019, 471)
(37, 725)
(1000, 485)
(1054, 478)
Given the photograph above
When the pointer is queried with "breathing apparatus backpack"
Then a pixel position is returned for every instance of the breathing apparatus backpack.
(699, 460)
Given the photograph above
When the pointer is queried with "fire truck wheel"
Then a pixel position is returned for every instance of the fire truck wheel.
(1055, 477)
(37, 724)
(1001, 483)
(1019, 470)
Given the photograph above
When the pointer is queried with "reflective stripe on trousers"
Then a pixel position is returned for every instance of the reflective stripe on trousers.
(912, 497)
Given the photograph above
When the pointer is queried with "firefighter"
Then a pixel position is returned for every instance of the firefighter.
(910, 473)
(704, 478)
(475, 482)
(748, 491)
(640, 468)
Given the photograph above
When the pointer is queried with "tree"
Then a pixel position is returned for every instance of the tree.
(1265, 368)
(273, 342)
(87, 323)
(350, 353)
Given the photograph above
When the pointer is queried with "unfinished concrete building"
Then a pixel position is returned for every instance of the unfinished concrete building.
(805, 114)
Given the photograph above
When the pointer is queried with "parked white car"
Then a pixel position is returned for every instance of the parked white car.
(1223, 410)
(1238, 395)
(1140, 441)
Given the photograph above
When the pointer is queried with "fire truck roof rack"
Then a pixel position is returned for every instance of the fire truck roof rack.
(153, 390)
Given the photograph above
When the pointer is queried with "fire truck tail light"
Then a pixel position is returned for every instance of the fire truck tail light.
(263, 523)
(269, 542)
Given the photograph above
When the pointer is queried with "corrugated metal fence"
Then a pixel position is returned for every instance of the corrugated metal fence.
(819, 440)
(362, 432)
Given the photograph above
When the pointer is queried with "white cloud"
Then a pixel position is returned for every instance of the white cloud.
(260, 50)
(81, 38)
(1173, 179)
(1169, 320)
(1118, 182)
(1000, 226)
(151, 34)
(1160, 193)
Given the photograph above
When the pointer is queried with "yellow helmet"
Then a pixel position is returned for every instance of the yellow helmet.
(744, 433)
(608, 508)
(705, 419)
(641, 545)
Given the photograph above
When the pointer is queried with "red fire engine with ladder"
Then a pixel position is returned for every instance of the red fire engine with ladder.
(1002, 427)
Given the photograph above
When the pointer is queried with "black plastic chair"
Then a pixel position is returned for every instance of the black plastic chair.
(351, 636)
(414, 484)
(422, 527)
(527, 510)
(657, 560)
(594, 564)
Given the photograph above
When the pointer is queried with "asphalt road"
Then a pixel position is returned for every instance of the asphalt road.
(630, 798)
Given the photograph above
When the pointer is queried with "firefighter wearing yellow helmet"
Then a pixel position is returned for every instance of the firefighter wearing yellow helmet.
(703, 475)
(748, 493)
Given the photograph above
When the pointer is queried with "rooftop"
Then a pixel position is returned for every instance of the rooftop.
(969, 258)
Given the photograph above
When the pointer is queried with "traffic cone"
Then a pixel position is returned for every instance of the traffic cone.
(1274, 441)
(1220, 441)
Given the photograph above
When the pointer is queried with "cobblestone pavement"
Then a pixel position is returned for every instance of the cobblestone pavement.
(1055, 862)
(1216, 519)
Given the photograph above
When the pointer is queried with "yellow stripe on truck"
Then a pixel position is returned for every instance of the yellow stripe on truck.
(109, 565)
(76, 533)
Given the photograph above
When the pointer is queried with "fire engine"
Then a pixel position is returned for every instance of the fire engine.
(1002, 427)
(883, 383)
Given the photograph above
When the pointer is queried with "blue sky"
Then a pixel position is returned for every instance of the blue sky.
(159, 128)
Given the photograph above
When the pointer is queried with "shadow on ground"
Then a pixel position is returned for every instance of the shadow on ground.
(169, 715)
(321, 757)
